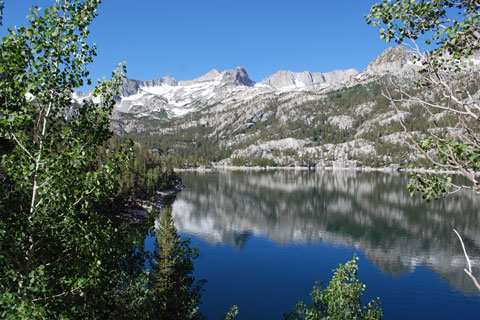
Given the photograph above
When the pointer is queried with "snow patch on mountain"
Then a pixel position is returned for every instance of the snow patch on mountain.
(166, 98)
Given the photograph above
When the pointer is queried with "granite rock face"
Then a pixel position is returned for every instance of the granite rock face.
(289, 79)
(209, 76)
(129, 87)
(167, 80)
(392, 60)
(339, 75)
(285, 78)
(237, 77)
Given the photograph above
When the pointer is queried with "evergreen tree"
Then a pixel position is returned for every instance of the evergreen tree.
(175, 292)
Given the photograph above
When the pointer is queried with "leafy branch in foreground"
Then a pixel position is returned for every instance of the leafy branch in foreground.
(449, 73)
(231, 314)
(339, 300)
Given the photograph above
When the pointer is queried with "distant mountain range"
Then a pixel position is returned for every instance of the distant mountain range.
(168, 98)
(336, 118)
(173, 98)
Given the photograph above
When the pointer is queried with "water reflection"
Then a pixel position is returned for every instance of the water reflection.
(369, 211)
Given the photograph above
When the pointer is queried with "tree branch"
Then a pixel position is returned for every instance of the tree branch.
(469, 264)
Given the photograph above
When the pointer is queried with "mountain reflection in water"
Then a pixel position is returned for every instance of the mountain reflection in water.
(372, 212)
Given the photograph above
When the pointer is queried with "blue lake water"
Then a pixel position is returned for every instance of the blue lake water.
(265, 238)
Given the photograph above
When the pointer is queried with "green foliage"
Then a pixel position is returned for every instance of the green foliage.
(175, 292)
(452, 28)
(339, 300)
(64, 251)
(431, 187)
(185, 148)
(145, 172)
(446, 153)
(451, 25)
(232, 313)
(466, 153)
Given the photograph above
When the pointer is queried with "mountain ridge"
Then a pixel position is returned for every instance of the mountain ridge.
(332, 119)
(166, 98)
(230, 77)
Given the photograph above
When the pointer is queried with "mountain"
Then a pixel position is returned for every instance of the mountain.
(285, 79)
(166, 98)
(288, 79)
(328, 119)
(392, 60)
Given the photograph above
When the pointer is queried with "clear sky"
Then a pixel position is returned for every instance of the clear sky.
(187, 38)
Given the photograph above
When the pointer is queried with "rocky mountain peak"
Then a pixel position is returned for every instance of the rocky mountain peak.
(237, 77)
(129, 87)
(391, 60)
(141, 104)
(209, 76)
(167, 80)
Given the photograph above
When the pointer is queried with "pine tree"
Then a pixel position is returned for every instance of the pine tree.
(172, 282)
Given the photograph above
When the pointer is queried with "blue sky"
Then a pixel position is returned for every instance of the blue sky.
(186, 38)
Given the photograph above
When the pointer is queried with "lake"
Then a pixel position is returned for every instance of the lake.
(266, 237)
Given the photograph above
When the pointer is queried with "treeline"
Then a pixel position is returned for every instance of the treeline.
(143, 174)
(186, 148)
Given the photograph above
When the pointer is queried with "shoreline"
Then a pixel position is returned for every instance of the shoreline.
(393, 169)
(137, 212)
(179, 186)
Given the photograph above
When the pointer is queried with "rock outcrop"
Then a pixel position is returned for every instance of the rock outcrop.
(288, 79)
(237, 77)
(393, 60)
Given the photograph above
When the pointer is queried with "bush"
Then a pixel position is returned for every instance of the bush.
(339, 300)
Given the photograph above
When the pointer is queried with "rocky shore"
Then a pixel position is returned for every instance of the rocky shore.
(137, 212)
